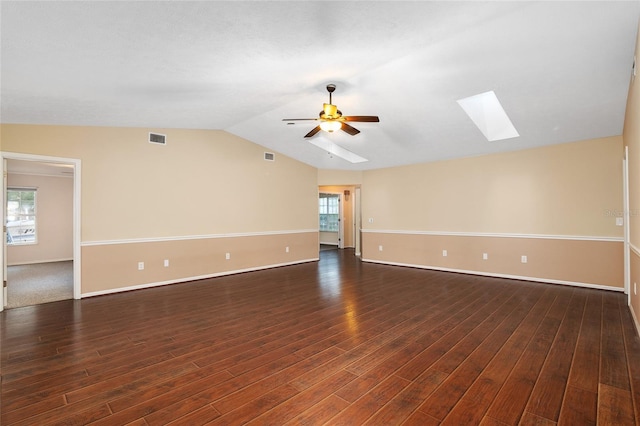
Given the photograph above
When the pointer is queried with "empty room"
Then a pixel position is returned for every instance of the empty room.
(309, 213)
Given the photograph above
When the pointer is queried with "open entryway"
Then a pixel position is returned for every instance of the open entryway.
(41, 249)
(338, 216)
(330, 220)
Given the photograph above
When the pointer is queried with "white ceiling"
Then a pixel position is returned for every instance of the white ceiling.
(560, 69)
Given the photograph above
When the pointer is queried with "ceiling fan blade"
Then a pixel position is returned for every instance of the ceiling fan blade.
(350, 129)
(312, 132)
(362, 118)
(299, 119)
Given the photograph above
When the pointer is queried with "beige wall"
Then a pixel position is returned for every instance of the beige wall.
(54, 220)
(563, 193)
(339, 177)
(597, 264)
(566, 189)
(202, 183)
(631, 137)
(104, 264)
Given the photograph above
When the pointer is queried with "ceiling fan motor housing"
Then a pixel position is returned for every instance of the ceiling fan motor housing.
(330, 112)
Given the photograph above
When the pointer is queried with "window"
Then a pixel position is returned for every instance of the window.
(329, 207)
(21, 216)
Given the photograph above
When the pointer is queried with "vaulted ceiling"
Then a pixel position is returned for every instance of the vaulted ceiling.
(560, 69)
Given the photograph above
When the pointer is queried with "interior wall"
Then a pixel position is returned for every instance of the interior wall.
(190, 258)
(200, 182)
(506, 205)
(328, 177)
(54, 220)
(631, 136)
(202, 185)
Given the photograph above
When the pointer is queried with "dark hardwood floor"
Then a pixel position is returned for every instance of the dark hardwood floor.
(335, 342)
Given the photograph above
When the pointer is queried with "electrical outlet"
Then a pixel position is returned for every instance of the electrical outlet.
(444, 253)
(619, 221)
(523, 259)
(379, 248)
(370, 220)
(140, 266)
(166, 263)
(485, 256)
(286, 249)
(227, 256)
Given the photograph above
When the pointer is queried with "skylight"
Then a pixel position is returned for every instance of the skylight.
(336, 150)
(487, 113)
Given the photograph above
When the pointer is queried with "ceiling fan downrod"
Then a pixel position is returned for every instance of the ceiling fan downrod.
(331, 88)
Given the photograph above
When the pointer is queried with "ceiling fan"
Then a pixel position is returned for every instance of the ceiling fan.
(331, 118)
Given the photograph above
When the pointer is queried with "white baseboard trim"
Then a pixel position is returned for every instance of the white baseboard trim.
(35, 262)
(187, 279)
(489, 274)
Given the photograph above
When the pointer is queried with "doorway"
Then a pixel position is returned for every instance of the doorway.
(41, 249)
(339, 217)
(330, 219)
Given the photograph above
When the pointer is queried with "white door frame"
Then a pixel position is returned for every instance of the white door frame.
(357, 221)
(77, 175)
(341, 223)
(3, 293)
(626, 217)
(340, 215)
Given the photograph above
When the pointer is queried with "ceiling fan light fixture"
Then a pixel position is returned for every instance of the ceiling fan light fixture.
(330, 126)
(331, 119)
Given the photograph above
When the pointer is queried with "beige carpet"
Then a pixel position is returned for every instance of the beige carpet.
(39, 283)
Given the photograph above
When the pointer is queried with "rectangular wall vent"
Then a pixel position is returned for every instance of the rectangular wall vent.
(269, 156)
(157, 138)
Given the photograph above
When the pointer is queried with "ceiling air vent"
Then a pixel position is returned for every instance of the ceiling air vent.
(269, 156)
(157, 138)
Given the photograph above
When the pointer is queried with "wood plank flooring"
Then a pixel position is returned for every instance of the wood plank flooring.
(335, 342)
